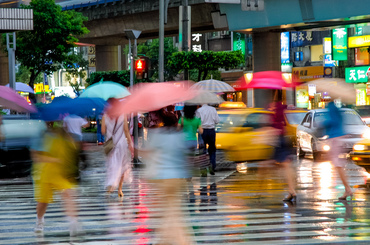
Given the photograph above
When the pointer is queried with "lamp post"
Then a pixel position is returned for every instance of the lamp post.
(133, 35)
(11, 46)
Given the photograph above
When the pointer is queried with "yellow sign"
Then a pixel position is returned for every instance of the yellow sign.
(39, 88)
(304, 74)
(359, 41)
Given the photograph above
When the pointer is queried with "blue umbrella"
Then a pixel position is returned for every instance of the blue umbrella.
(63, 106)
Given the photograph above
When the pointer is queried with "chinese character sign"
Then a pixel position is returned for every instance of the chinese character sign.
(285, 47)
(239, 42)
(340, 41)
(196, 42)
(306, 38)
(358, 74)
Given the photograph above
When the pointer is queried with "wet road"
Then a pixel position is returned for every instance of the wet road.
(230, 208)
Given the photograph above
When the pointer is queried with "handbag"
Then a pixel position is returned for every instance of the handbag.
(109, 144)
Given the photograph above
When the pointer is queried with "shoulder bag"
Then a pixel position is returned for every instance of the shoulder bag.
(109, 144)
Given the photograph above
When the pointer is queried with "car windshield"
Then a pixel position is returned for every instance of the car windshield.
(349, 118)
(295, 118)
(363, 112)
(229, 120)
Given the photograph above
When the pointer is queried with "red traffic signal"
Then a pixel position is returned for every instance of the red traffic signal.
(140, 65)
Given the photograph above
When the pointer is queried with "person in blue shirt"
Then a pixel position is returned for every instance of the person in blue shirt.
(334, 129)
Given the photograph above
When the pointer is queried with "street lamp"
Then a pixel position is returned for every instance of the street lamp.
(133, 35)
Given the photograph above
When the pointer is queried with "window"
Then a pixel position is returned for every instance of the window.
(259, 120)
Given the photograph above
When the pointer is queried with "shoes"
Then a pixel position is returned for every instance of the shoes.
(100, 143)
(211, 171)
(345, 195)
(39, 226)
(290, 198)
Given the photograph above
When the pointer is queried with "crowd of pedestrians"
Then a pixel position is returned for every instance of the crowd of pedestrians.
(179, 145)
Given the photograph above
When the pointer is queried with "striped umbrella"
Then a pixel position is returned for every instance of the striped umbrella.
(212, 85)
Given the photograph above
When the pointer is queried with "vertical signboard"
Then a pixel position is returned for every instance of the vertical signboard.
(285, 47)
(340, 41)
(239, 42)
(196, 42)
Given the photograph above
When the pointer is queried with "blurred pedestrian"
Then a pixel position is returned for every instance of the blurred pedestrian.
(55, 158)
(283, 150)
(73, 125)
(99, 135)
(334, 129)
(190, 124)
(119, 158)
(167, 169)
(209, 118)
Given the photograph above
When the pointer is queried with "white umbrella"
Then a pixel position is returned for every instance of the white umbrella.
(205, 97)
(212, 85)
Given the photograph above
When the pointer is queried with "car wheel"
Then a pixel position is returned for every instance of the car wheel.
(300, 152)
(316, 155)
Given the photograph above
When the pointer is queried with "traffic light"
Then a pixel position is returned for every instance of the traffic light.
(141, 68)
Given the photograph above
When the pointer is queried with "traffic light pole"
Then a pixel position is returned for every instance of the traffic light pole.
(133, 34)
(136, 123)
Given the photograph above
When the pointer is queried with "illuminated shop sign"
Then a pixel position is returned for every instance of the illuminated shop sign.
(339, 38)
(357, 74)
(285, 47)
(359, 41)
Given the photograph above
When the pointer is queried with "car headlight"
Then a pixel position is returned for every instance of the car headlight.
(326, 148)
(359, 147)
(324, 137)
(366, 135)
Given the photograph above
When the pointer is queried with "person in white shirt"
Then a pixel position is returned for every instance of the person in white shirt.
(209, 118)
(73, 125)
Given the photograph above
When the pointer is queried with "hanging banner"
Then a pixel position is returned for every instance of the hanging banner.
(339, 38)
(285, 47)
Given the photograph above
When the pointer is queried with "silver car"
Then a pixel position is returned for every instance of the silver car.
(311, 136)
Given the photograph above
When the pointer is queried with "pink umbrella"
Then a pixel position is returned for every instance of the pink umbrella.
(10, 99)
(264, 80)
(152, 96)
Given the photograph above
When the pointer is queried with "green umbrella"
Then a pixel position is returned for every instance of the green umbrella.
(105, 90)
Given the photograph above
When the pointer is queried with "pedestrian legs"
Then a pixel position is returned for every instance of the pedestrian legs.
(209, 138)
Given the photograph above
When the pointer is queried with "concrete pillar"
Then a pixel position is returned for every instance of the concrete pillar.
(266, 57)
(4, 70)
(106, 58)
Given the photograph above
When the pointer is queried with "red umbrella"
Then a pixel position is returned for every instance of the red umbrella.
(152, 96)
(264, 80)
(11, 100)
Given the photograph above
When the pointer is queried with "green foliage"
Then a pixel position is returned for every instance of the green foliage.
(205, 61)
(75, 66)
(121, 77)
(23, 75)
(49, 44)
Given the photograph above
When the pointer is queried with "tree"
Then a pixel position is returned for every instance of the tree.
(75, 66)
(51, 42)
(23, 75)
(205, 61)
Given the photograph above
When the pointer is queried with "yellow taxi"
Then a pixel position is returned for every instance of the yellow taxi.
(240, 132)
(361, 153)
(293, 117)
